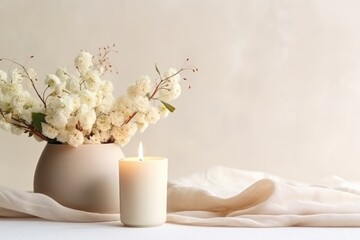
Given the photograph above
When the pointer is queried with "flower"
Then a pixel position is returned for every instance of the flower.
(79, 108)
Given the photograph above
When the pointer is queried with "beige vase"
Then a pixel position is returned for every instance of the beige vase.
(84, 178)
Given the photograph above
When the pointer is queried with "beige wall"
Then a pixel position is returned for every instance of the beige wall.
(278, 88)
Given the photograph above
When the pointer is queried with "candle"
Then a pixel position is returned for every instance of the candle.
(143, 190)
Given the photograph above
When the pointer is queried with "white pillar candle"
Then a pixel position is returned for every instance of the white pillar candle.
(143, 191)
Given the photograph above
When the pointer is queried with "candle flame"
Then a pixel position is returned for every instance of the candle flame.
(140, 152)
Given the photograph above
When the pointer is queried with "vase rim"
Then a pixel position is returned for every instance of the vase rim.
(82, 145)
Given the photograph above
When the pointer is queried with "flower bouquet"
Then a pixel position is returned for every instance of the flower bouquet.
(79, 108)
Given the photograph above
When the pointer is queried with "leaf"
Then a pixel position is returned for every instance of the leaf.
(157, 69)
(37, 119)
(169, 107)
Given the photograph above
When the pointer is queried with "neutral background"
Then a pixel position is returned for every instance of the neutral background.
(278, 88)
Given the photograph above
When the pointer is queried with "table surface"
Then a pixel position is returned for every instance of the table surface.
(32, 228)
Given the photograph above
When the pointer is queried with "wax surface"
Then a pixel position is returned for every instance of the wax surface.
(143, 191)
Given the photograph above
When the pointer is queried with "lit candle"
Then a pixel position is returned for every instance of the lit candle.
(143, 190)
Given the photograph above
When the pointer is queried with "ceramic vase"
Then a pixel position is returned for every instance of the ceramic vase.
(83, 178)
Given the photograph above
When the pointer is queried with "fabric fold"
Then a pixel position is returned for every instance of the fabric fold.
(275, 202)
(192, 198)
(15, 203)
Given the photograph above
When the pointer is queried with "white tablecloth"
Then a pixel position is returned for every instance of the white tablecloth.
(37, 229)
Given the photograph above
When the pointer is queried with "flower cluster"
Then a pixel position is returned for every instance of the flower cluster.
(80, 108)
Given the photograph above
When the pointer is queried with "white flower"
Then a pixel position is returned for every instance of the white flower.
(123, 134)
(103, 123)
(31, 106)
(123, 106)
(58, 120)
(75, 101)
(3, 76)
(88, 98)
(17, 76)
(141, 88)
(8, 117)
(52, 80)
(76, 138)
(92, 80)
(16, 130)
(172, 92)
(18, 101)
(30, 72)
(152, 116)
(118, 134)
(133, 91)
(130, 129)
(141, 122)
(83, 62)
(72, 84)
(142, 126)
(105, 104)
(117, 118)
(86, 117)
(172, 88)
(123, 103)
(54, 83)
(62, 105)
(5, 125)
(106, 88)
(61, 74)
(26, 115)
(49, 131)
(172, 75)
(11, 88)
(163, 111)
(63, 136)
(142, 104)
(144, 84)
